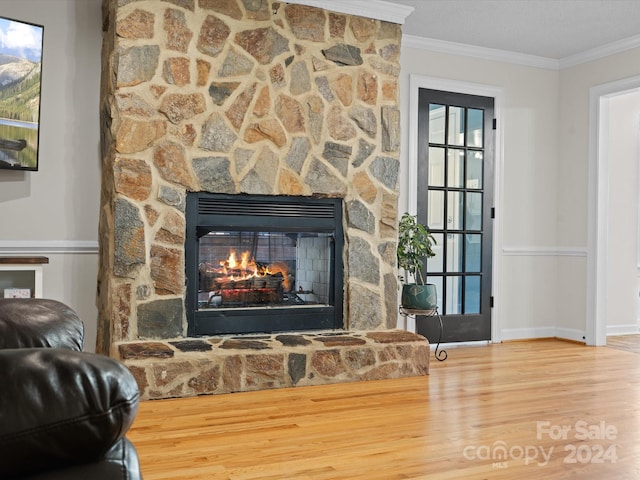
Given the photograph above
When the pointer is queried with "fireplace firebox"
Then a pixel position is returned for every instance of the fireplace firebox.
(263, 264)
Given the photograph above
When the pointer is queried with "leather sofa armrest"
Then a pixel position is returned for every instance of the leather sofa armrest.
(39, 322)
(60, 408)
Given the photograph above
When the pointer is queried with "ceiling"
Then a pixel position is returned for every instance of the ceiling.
(553, 29)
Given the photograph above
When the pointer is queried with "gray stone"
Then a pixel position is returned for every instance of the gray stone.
(214, 175)
(289, 340)
(365, 119)
(343, 54)
(298, 153)
(387, 251)
(360, 217)
(253, 184)
(325, 89)
(390, 129)
(217, 136)
(300, 82)
(321, 180)
(172, 197)
(242, 158)
(129, 243)
(337, 155)
(160, 319)
(363, 265)
(391, 299)
(137, 64)
(316, 117)
(192, 345)
(385, 169)
(297, 367)
(364, 308)
(235, 64)
(220, 91)
(365, 150)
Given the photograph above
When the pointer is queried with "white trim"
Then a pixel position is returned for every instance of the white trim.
(505, 56)
(543, 332)
(491, 54)
(598, 206)
(545, 251)
(42, 247)
(378, 9)
(600, 52)
(632, 329)
(416, 82)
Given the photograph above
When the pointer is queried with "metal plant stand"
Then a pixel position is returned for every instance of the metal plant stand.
(433, 312)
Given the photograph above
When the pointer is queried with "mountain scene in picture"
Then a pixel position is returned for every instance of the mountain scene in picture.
(20, 74)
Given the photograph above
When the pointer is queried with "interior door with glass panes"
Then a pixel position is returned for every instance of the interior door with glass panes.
(455, 201)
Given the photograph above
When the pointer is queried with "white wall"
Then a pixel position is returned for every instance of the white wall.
(544, 210)
(624, 140)
(528, 274)
(54, 212)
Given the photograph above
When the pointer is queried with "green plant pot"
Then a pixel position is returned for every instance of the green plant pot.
(419, 297)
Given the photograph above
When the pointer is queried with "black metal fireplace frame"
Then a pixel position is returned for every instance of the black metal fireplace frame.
(209, 211)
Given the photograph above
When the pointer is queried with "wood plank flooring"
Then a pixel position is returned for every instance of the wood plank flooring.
(487, 412)
(630, 343)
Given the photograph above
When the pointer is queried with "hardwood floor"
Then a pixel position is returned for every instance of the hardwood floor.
(630, 343)
(513, 398)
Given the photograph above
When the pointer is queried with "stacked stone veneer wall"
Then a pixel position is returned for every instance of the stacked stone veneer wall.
(246, 97)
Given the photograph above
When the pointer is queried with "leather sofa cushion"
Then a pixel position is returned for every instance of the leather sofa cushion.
(119, 463)
(60, 407)
(38, 322)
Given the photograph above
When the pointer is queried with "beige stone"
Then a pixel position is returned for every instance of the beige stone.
(135, 135)
(290, 184)
(365, 187)
(171, 161)
(172, 230)
(268, 129)
(263, 103)
(204, 70)
(132, 178)
(290, 113)
(307, 23)
(229, 8)
(368, 87)
(364, 29)
(176, 71)
(138, 24)
(340, 128)
(238, 110)
(342, 86)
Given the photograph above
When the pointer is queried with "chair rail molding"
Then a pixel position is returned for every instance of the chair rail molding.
(41, 247)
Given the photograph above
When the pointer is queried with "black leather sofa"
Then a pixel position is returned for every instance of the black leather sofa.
(64, 413)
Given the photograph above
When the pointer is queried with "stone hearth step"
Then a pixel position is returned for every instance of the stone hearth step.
(187, 367)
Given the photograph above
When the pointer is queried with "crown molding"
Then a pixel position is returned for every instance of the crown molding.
(600, 52)
(377, 9)
(483, 53)
(506, 56)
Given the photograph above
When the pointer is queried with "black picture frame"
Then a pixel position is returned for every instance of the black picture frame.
(21, 45)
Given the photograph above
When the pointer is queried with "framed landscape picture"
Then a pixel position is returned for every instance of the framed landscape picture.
(20, 78)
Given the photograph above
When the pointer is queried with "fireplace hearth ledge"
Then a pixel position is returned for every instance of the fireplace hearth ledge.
(185, 367)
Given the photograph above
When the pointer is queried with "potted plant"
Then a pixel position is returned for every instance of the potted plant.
(415, 245)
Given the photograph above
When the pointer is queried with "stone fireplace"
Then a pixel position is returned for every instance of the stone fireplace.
(246, 97)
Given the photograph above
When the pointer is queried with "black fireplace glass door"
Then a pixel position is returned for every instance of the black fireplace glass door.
(263, 263)
(239, 269)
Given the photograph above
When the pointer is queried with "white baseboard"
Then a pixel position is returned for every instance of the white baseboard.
(542, 332)
(630, 329)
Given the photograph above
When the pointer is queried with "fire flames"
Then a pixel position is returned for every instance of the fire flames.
(246, 268)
